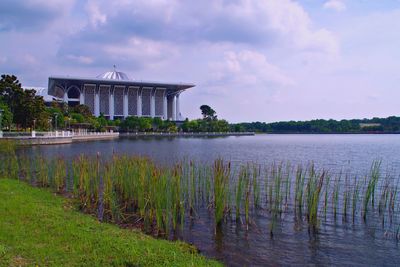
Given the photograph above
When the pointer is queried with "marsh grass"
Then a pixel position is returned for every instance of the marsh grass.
(131, 190)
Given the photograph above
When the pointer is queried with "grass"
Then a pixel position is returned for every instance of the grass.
(38, 228)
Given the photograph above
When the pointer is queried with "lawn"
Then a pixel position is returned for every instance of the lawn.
(40, 228)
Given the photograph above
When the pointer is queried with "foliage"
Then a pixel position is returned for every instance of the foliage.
(81, 109)
(208, 113)
(6, 117)
(144, 124)
(61, 236)
(27, 108)
(389, 124)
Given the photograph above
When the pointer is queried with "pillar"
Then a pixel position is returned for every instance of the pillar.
(165, 106)
(126, 104)
(153, 103)
(96, 102)
(174, 107)
(65, 98)
(178, 108)
(111, 104)
(82, 96)
(139, 103)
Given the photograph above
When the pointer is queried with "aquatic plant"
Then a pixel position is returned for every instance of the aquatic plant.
(369, 195)
(221, 173)
(132, 190)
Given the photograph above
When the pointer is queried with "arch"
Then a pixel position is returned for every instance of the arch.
(73, 92)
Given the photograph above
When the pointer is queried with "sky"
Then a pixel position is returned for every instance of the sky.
(251, 60)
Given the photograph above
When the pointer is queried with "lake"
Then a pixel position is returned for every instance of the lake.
(336, 242)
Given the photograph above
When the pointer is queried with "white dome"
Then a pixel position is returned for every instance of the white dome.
(114, 75)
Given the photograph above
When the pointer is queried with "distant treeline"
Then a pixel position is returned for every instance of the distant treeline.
(381, 125)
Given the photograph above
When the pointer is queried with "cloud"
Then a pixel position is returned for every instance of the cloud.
(80, 59)
(256, 23)
(247, 68)
(96, 17)
(31, 15)
(336, 5)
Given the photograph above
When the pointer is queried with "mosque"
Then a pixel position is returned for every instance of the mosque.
(115, 95)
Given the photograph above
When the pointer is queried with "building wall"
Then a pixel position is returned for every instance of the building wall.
(132, 100)
(119, 100)
(146, 95)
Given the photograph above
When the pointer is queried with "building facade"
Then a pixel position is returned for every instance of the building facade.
(115, 95)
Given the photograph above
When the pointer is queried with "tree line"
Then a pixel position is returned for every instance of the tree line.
(389, 124)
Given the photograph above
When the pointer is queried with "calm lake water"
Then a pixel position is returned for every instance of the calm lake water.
(336, 243)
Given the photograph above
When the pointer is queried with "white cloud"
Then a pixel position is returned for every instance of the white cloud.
(247, 68)
(96, 17)
(259, 23)
(336, 5)
(80, 59)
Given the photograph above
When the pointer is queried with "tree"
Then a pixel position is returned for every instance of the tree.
(26, 108)
(82, 109)
(157, 123)
(208, 113)
(6, 117)
(145, 124)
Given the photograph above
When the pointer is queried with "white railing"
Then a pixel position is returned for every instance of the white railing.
(55, 134)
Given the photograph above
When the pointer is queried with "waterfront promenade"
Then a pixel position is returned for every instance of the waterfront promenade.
(67, 137)
(57, 137)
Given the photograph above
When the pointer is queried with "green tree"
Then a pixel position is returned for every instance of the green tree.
(83, 110)
(157, 123)
(145, 124)
(77, 117)
(6, 117)
(208, 113)
(26, 107)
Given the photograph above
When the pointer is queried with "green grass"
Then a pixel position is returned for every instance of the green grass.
(40, 228)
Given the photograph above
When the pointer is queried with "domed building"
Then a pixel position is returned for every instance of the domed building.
(115, 95)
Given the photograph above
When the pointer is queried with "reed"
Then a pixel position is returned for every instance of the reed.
(299, 189)
(287, 184)
(8, 160)
(256, 186)
(247, 186)
(221, 173)
(239, 191)
(355, 197)
(369, 195)
(42, 174)
(346, 196)
(135, 191)
(313, 192)
(326, 198)
(335, 195)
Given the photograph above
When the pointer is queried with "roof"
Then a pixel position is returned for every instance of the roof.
(110, 78)
(178, 86)
(114, 75)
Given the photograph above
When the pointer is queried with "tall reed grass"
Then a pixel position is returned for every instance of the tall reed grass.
(135, 191)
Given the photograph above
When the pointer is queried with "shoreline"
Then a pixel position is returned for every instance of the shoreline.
(48, 239)
(69, 139)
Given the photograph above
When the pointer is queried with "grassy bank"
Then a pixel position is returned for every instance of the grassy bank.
(39, 228)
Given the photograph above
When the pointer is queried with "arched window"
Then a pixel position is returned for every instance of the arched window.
(73, 92)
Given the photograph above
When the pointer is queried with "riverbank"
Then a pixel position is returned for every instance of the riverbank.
(40, 228)
(59, 138)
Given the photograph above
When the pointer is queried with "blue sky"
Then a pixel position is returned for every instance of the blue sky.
(265, 60)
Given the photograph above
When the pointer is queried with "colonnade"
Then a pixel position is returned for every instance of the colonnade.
(169, 98)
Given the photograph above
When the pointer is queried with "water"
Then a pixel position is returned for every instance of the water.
(336, 243)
